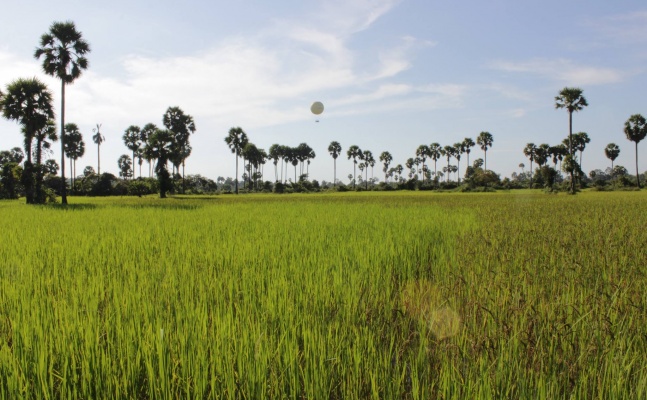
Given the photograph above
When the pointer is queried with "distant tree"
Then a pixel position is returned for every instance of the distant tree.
(448, 151)
(458, 151)
(144, 136)
(485, 140)
(386, 159)
(29, 103)
(612, 151)
(160, 148)
(98, 138)
(354, 152)
(181, 126)
(572, 100)
(236, 140)
(368, 158)
(88, 170)
(580, 139)
(14, 155)
(74, 147)
(334, 148)
(468, 143)
(133, 140)
(422, 152)
(636, 130)
(274, 155)
(125, 165)
(50, 167)
(522, 166)
(44, 137)
(63, 50)
(530, 151)
(435, 154)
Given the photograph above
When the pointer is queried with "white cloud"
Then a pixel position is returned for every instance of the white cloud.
(563, 70)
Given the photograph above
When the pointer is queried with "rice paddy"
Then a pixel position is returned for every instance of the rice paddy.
(337, 296)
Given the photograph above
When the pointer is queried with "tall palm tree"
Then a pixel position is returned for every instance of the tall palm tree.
(354, 152)
(458, 151)
(274, 155)
(422, 152)
(133, 141)
(74, 147)
(44, 136)
(580, 140)
(449, 152)
(63, 50)
(334, 148)
(435, 154)
(144, 135)
(386, 159)
(98, 138)
(612, 151)
(530, 151)
(160, 147)
(236, 140)
(572, 100)
(636, 130)
(485, 140)
(468, 143)
(29, 103)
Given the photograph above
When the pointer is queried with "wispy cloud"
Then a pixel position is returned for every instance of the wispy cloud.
(628, 28)
(563, 70)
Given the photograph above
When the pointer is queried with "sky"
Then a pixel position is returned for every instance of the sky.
(392, 74)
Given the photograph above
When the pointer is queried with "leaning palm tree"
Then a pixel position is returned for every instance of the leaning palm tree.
(236, 140)
(334, 148)
(354, 152)
(28, 102)
(98, 138)
(63, 49)
(612, 151)
(572, 100)
(485, 140)
(636, 130)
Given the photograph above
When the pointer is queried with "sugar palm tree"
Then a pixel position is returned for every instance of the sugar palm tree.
(44, 136)
(354, 152)
(612, 151)
(74, 147)
(458, 151)
(236, 140)
(468, 143)
(422, 152)
(572, 100)
(485, 140)
(98, 138)
(133, 141)
(28, 102)
(435, 154)
(386, 159)
(530, 151)
(636, 130)
(144, 135)
(274, 154)
(334, 148)
(63, 50)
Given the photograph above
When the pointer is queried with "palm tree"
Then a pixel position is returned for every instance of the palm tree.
(125, 164)
(468, 143)
(133, 140)
(449, 152)
(386, 159)
(485, 140)
(43, 137)
(74, 147)
(572, 100)
(636, 130)
(530, 151)
(368, 158)
(275, 155)
(236, 140)
(435, 154)
(28, 102)
(612, 151)
(354, 152)
(98, 138)
(334, 148)
(144, 136)
(422, 152)
(160, 147)
(458, 151)
(63, 49)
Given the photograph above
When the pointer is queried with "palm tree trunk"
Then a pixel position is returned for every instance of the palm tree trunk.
(63, 192)
(236, 171)
(637, 176)
(334, 177)
(570, 148)
(530, 174)
(71, 173)
(99, 159)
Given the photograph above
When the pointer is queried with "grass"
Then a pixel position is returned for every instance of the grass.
(339, 296)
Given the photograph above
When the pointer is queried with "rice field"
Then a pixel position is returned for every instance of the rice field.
(334, 296)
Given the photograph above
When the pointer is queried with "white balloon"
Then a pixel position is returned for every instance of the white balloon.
(317, 107)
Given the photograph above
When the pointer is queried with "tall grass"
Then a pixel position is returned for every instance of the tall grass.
(413, 295)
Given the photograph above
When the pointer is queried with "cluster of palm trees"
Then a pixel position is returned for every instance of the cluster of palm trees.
(29, 102)
(255, 157)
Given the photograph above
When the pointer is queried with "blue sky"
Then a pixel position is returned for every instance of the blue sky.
(392, 74)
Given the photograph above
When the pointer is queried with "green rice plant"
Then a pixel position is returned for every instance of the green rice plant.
(339, 296)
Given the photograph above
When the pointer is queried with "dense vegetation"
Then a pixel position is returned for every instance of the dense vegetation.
(347, 295)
